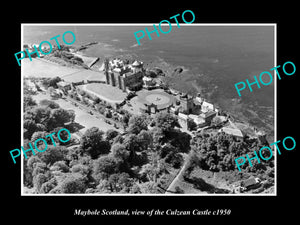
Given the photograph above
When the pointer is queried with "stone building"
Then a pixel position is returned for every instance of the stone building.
(186, 103)
(125, 77)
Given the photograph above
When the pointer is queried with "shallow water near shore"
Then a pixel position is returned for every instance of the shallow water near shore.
(214, 58)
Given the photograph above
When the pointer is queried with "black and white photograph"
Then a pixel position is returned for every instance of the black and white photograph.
(146, 113)
(148, 117)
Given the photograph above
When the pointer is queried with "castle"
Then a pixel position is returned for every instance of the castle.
(124, 76)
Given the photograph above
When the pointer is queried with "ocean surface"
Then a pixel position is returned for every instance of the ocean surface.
(214, 58)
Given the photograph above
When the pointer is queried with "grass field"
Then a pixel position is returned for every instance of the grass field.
(42, 68)
(106, 92)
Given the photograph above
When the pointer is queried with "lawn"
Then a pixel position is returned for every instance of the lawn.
(106, 92)
(42, 68)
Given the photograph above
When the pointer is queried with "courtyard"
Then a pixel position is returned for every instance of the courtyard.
(157, 97)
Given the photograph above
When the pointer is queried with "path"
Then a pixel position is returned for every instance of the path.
(171, 187)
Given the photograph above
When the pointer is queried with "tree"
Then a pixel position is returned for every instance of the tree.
(166, 149)
(149, 188)
(53, 154)
(120, 152)
(48, 186)
(73, 183)
(151, 171)
(40, 127)
(104, 187)
(82, 93)
(97, 100)
(120, 182)
(93, 144)
(111, 134)
(64, 135)
(166, 121)
(29, 128)
(71, 115)
(175, 159)
(38, 180)
(125, 118)
(51, 82)
(28, 101)
(118, 139)
(32, 162)
(135, 189)
(178, 190)
(82, 169)
(137, 123)
(131, 143)
(38, 114)
(179, 139)
(145, 139)
(108, 113)
(40, 167)
(60, 166)
(100, 108)
(191, 125)
(105, 166)
(157, 135)
(59, 117)
(38, 135)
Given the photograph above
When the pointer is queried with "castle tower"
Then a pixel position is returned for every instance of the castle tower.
(123, 84)
(187, 103)
(119, 81)
(106, 68)
(112, 78)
